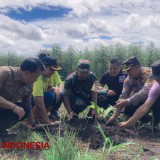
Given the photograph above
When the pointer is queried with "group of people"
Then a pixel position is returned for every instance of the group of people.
(34, 92)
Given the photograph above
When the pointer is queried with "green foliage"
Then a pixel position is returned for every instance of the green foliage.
(110, 149)
(99, 57)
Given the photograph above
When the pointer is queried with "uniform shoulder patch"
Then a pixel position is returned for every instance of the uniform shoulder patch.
(126, 80)
(146, 72)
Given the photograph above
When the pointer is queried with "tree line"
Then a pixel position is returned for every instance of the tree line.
(98, 56)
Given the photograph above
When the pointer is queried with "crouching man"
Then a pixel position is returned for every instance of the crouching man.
(135, 90)
(77, 91)
(15, 93)
(152, 102)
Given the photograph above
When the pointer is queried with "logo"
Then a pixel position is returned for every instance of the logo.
(121, 78)
(25, 145)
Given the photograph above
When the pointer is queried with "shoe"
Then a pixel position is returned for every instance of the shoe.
(54, 115)
(5, 134)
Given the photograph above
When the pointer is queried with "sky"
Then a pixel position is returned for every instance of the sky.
(26, 26)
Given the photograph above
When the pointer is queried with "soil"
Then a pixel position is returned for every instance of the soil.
(88, 133)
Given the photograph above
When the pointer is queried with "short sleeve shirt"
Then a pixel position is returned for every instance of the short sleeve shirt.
(154, 92)
(56, 80)
(41, 85)
(114, 83)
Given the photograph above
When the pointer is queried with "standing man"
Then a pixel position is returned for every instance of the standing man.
(135, 89)
(16, 91)
(152, 102)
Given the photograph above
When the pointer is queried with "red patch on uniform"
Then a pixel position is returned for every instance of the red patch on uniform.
(126, 80)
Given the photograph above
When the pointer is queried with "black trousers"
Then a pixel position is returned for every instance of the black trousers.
(79, 104)
(8, 118)
(130, 110)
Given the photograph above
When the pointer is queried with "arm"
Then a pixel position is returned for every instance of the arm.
(67, 103)
(67, 93)
(61, 87)
(140, 112)
(27, 100)
(141, 95)
(39, 103)
(5, 104)
(126, 89)
(114, 116)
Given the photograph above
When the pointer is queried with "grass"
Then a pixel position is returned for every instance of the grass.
(66, 146)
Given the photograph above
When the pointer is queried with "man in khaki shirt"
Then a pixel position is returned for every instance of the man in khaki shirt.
(135, 89)
(16, 91)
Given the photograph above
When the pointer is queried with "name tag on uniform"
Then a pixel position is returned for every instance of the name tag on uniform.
(122, 78)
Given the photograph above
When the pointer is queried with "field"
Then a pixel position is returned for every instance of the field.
(84, 139)
(88, 139)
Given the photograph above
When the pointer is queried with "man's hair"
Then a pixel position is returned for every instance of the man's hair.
(116, 61)
(32, 65)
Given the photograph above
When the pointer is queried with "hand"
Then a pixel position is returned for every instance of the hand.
(57, 93)
(55, 123)
(71, 115)
(41, 126)
(121, 103)
(111, 93)
(124, 124)
(100, 88)
(19, 111)
(111, 120)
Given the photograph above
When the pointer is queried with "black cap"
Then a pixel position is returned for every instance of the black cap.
(133, 61)
(52, 62)
(155, 71)
(84, 65)
(42, 55)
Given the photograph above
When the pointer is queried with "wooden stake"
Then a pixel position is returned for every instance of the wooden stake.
(94, 89)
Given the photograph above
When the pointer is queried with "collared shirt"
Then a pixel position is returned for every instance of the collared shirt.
(137, 89)
(113, 83)
(41, 85)
(11, 87)
(79, 88)
(56, 80)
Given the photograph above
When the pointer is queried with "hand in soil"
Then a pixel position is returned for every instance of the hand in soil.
(124, 124)
(71, 116)
(111, 121)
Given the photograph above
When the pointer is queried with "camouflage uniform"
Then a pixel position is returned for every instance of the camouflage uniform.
(80, 92)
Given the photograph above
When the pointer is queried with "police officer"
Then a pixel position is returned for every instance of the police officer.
(152, 102)
(114, 79)
(77, 90)
(135, 89)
